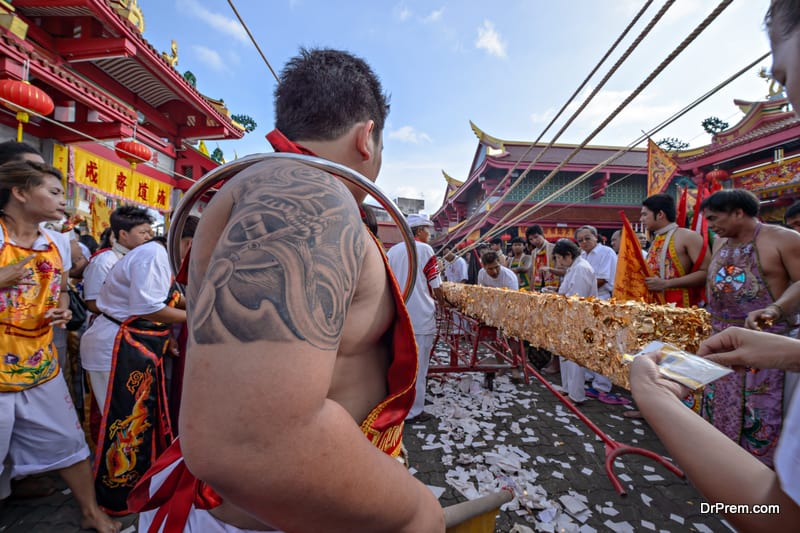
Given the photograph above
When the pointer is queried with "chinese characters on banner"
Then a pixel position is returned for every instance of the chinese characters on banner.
(112, 180)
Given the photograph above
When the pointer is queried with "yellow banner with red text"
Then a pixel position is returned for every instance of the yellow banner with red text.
(110, 179)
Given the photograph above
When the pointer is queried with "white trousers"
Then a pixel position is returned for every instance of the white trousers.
(424, 345)
(39, 432)
(99, 380)
(572, 380)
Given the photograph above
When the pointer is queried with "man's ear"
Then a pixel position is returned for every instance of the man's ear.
(365, 142)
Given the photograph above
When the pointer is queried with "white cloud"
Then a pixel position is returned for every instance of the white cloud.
(433, 16)
(210, 57)
(217, 21)
(401, 12)
(490, 40)
(408, 134)
(546, 116)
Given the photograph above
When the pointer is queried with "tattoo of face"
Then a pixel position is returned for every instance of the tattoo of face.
(286, 264)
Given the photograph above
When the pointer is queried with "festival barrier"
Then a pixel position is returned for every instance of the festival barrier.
(474, 347)
(593, 333)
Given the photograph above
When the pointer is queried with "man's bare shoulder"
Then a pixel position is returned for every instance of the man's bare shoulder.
(780, 235)
(283, 253)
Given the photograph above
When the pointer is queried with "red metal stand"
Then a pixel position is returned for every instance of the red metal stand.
(613, 448)
(464, 336)
(475, 347)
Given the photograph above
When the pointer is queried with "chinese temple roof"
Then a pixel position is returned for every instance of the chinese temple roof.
(765, 124)
(110, 52)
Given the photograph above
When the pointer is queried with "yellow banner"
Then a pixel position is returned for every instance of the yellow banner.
(117, 181)
(660, 169)
(101, 215)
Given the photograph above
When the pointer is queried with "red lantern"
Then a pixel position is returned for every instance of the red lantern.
(715, 177)
(505, 237)
(23, 97)
(133, 152)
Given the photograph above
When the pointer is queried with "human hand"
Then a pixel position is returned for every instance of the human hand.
(742, 347)
(656, 284)
(763, 318)
(645, 377)
(58, 317)
(15, 274)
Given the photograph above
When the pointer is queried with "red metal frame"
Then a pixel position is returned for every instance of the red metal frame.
(465, 336)
(464, 356)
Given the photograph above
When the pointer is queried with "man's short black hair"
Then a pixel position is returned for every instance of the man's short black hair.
(536, 229)
(783, 17)
(496, 240)
(661, 202)
(127, 217)
(190, 227)
(490, 258)
(13, 150)
(517, 240)
(565, 247)
(322, 93)
(728, 200)
(792, 211)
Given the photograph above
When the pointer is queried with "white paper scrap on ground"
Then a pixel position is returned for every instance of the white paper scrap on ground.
(649, 525)
(702, 528)
(437, 491)
(519, 528)
(676, 518)
(572, 504)
(619, 527)
(646, 499)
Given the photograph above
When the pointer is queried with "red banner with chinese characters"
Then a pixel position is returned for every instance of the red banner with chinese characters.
(117, 181)
(660, 169)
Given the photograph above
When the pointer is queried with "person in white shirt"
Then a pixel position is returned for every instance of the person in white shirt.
(455, 268)
(579, 280)
(493, 274)
(421, 305)
(131, 227)
(604, 263)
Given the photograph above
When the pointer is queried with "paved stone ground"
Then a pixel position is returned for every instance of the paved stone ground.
(516, 435)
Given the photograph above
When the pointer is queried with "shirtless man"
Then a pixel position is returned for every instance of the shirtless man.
(290, 315)
(678, 255)
(753, 264)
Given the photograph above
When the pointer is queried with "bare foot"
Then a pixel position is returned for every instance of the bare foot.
(100, 522)
(632, 414)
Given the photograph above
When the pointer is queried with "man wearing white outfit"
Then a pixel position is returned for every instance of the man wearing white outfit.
(579, 280)
(604, 263)
(494, 274)
(421, 304)
(132, 227)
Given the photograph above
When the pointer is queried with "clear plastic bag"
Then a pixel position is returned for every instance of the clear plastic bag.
(681, 366)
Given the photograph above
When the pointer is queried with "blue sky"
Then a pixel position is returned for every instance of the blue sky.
(508, 66)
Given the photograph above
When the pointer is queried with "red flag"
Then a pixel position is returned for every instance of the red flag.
(660, 169)
(681, 216)
(631, 268)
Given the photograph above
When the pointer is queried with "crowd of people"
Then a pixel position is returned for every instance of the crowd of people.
(301, 361)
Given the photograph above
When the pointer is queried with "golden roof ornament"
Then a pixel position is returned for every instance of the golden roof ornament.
(130, 10)
(172, 57)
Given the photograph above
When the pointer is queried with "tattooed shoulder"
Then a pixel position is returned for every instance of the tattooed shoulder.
(286, 264)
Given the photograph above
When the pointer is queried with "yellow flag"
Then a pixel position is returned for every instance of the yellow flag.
(660, 169)
(631, 269)
(202, 148)
(101, 213)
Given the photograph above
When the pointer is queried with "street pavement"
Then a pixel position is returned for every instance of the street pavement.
(518, 436)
